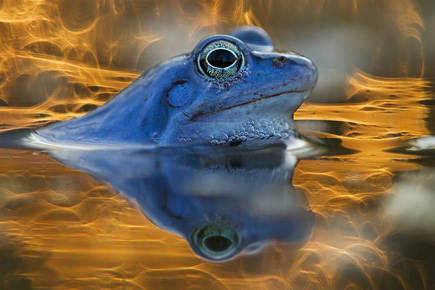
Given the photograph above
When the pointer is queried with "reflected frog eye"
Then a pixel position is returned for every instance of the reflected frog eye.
(220, 59)
(216, 242)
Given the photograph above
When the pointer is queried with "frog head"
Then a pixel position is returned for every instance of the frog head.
(231, 90)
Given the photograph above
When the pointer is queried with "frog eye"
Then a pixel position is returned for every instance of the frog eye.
(220, 59)
(215, 242)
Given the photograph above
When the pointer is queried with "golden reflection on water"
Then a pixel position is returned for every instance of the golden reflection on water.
(380, 113)
(61, 229)
(78, 234)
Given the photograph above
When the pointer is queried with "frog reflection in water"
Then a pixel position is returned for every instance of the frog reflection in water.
(221, 203)
(232, 90)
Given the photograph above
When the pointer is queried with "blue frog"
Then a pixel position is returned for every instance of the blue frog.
(231, 90)
(223, 202)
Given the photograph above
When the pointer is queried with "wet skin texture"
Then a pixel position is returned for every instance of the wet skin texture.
(229, 91)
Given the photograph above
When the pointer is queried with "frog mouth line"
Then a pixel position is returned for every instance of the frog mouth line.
(262, 97)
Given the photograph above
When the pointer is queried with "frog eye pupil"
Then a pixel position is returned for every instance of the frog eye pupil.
(218, 243)
(221, 58)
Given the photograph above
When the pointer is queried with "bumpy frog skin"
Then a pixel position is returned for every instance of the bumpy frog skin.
(230, 91)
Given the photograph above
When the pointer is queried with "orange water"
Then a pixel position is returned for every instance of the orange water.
(61, 229)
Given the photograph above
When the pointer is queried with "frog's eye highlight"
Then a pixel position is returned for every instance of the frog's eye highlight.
(220, 59)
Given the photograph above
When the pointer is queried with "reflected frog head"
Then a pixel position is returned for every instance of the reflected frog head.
(222, 204)
(231, 90)
(246, 224)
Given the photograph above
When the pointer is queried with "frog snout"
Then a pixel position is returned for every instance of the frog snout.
(310, 71)
(300, 68)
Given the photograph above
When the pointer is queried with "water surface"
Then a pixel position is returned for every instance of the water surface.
(357, 214)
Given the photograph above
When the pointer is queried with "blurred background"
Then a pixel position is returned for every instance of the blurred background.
(61, 229)
(63, 58)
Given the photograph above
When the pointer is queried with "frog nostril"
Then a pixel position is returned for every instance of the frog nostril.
(279, 61)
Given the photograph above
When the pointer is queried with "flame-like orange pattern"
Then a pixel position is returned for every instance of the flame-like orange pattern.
(380, 113)
(63, 230)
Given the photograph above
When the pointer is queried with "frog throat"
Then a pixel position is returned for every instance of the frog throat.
(251, 130)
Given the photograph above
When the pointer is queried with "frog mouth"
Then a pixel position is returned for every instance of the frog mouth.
(261, 97)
